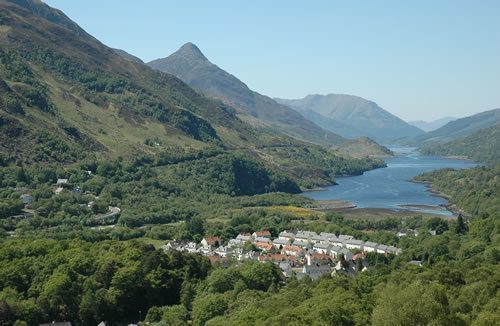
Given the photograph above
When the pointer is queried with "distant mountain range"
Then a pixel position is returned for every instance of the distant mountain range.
(457, 129)
(352, 116)
(189, 64)
(431, 125)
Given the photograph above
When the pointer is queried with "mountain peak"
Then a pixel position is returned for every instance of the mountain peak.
(191, 51)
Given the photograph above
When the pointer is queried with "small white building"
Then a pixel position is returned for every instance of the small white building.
(322, 248)
(354, 244)
(370, 246)
(286, 235)
(280, 242)
(301, 244)
(382, 249)
(62, 181)
(262, 239)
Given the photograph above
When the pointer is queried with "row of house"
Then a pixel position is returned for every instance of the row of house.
(295, 252)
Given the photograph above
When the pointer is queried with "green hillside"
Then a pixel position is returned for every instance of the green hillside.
(67, 97)
(482, 146)
(456, 129)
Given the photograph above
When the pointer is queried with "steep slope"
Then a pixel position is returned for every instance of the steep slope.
(128, 56)
(352, 116)
(458, 129)
(66, 94)
(482, 146)
(190, 65)
(431, 125)
(66, 97)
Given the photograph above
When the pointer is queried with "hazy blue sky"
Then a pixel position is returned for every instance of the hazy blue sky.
(419, 60)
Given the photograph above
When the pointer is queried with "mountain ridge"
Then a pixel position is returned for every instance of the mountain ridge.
(352, 116)
(189, 64)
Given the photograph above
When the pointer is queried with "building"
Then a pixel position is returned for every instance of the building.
(277, 243)
(370, 246)
(301, 244)
(61, 181)
(335, 251)
(354, 244)
(208, 242)
(286, 235)
(292, 250)
(244, 237)
(262, 239)
(264, 234)
(264, 246)
(381, 249)
(322, 248)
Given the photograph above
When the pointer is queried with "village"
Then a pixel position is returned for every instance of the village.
(297, 253)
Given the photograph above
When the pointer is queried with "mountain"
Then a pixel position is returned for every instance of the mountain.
(126, 55)
(189, 64)
(352, 116)
(482, 146)
(66, 97)
(456, 129)
(431, 125)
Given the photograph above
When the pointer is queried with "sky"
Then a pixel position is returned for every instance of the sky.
(420, 60)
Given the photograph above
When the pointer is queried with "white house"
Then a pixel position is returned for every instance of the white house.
(280, 242)
(301, 244)
(335, 251)
(322, 248)
(286, 235)
(262, 239)
(61, 181)
(354, 244)
(244, 237)
(370, 246)
(382, 249)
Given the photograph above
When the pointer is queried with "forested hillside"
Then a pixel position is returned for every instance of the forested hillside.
(482, 146)
(453, 283)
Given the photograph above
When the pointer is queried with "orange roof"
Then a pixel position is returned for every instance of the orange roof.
(321, 257)
(263, 245)
(358, 256)
(276, 257)
(264, 233)
(212, 240)
(292, 248)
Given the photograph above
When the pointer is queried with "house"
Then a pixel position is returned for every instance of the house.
(262, 239)
(276, 258)
(235, 243)
(347, 254)
(292, 250)
(59, 190)
(354, 244)
(321, 259)
(345, 267)
(244, 237)
(277, 243)
(315, 270)
(210, 242)
(335, 251)
(382, 249)
(322, 248)
(304, 235)
(264, 234)
(26, 198)
(222, 251)
(394, 250)
(264, 246)
(286, 235)
(320, 239)
(61, 181)
(370, 246)
(286, 268)
(301, 244)
(359, 255)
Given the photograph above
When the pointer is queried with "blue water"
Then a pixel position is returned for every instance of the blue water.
(391, 187)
